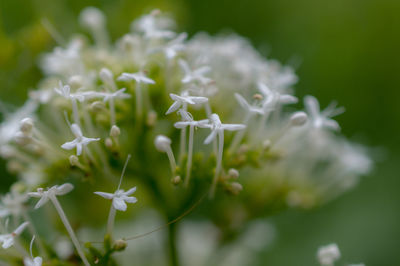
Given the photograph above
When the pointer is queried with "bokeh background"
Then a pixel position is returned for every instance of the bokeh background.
(346, 50)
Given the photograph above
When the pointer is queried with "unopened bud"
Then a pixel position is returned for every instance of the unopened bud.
(106, 76)
(151, 118)
(298, 119)
(26, 125)
(108, 143)
(115, 131)
(92, 17)
(120, 245)
(73, 160)
(162, 143)
(176, 180)
(97, 106)
(266, 144)
(76, 82)
(233, 173)
(235, 188)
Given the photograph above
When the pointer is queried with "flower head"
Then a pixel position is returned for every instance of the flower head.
(119, 198)
(65, 91)
(183, 100)
(194, 75)
(217, 127)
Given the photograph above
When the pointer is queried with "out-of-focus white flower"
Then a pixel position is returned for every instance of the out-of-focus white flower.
(194, 75)
(12, 203)
(119, 198)
(183, 100)
(79, 142)
(322, 119)
(273, 97)
(119, 94)
(251, 109)
(45, 196)
(172, 47)
(154, 26)
(8, 239)
(33, 261)
(65, 91)
(139, 77)
(327, 255)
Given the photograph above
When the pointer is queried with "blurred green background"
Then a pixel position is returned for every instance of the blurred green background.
(346, 50)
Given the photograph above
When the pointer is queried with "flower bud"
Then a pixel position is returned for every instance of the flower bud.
(235, 188)
(106, 76)
(162, 143)
(298, 119)
(327, 255)
(151, 118)
(115, 131)
(26, 125)
(233, 173)
(76, 82)
(120, 245)
(97, 106)
(91, 18)
(108, 143)
(22, 139)
(176, 180)
(73, 160)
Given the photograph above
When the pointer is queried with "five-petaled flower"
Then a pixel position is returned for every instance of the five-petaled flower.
(194, 75)
(8, 239)
(183, 100)
(45, 196)
(119, 198)
(322, 119)
(79, 142)
(65, 91)
(217, 128)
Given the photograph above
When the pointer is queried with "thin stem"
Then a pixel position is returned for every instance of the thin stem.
(219, 164)
(75, 111)
(111, 219)
(190, 155)
(123, 171)
(69, 229)
(171, 159)
(182, 147)
(239, 135)
(139, 107)
(112, 111)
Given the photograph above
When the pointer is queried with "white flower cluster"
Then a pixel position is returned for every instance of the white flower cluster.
(214, 79)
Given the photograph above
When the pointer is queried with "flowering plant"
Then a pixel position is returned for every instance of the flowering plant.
(148, 94)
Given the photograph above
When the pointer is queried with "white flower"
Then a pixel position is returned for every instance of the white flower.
(183, 100)
(12, 203)
(119, 198)
(114, 95)
(65, 91)
(322, 119)
(272, 97)
(37, 261)
(217, 127)
(172, 48)
(252, 109)
(194, 75)
(153, 26)
(45, 196)
(79, 142)
(139, 77)
(8, 239)
(327, 255)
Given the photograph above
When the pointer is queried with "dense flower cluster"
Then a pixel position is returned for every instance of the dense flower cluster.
(150, 92)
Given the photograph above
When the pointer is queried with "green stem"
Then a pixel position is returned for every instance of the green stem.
(173, 252)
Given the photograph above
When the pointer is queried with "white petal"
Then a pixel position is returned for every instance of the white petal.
(175, 106)
(69, 145)
(21, 228)
(41, 202)
(287, 99)
(8, 242)
(76, 130)
(148, 80)
(35, 194)
(105, 195)
(119, 204)
(130, 191)
(199, 99)
(312, 105)
(181, 124)
(78, 148)
(130, 199)
(210, 137)
(64, 189)
(233, 127)
(242, 101)
(38, 261)
(332, 124)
